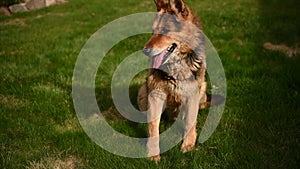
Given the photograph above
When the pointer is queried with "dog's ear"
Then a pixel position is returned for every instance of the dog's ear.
(178, 7)
(161, 4)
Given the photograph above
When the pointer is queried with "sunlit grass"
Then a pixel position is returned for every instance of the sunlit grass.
(38, 51)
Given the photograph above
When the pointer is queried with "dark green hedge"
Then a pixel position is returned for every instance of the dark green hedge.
(9, 2)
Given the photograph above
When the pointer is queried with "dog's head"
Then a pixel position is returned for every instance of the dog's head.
(175, 28)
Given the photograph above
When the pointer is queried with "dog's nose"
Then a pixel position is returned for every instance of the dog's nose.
(147, 51)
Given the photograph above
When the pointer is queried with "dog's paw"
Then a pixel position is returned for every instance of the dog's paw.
(187, 148)
(155, 158)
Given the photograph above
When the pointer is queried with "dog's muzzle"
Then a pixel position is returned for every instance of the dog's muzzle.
(147, 51)
(159, 57)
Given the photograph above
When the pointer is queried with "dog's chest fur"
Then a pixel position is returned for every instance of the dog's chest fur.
(175, 79)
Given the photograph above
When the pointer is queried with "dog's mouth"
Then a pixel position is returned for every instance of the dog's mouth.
(163, 57)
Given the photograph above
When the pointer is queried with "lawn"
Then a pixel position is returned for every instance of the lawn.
(38, 51)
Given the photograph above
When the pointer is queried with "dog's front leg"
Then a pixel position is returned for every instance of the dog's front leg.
(156, 103)
(190, 108)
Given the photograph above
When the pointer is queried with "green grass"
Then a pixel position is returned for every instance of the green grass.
(38, 51)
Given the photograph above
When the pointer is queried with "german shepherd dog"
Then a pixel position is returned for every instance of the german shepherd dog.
(176, 78)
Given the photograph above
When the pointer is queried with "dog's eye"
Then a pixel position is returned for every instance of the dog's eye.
(164, 31)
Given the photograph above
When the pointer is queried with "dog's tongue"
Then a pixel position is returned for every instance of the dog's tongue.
(157, 60)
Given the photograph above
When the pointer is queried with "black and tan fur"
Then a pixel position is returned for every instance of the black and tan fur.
(179, 84)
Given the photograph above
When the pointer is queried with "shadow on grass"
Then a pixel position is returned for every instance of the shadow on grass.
(268, 105)
(280, 21)
(114, 118)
